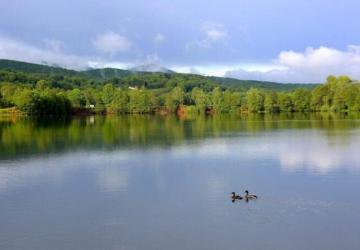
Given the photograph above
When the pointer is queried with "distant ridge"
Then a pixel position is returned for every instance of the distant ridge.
(151, 68)
(246, 84)
(33, 67)
(105, 74)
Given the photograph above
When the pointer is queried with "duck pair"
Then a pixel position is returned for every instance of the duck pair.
(247, 196)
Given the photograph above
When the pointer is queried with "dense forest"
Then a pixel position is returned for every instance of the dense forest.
(45, 90)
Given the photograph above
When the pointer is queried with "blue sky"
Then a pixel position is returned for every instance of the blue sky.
(279, 40)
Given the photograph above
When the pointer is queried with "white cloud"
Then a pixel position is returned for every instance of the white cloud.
(312, 65)
(206, 70)
(159, 38)
(54, 45)
(112, 43)
(108, 64)
(215, 34)
(17, 50)
(51, 54)
(212, 33)
(152, 59)
(193, 70)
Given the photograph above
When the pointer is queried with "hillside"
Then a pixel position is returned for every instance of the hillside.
(136, 76)
(151, 68)
(34, 68)
(47, 90)
(106, 73)
(237, 84)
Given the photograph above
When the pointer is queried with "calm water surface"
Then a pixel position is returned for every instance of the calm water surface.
(142, 182)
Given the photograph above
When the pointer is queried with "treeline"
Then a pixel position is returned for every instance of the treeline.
(99, 77)
(338, 94)
(56, 77)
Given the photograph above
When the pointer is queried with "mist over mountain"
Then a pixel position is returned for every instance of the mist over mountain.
(151, 73)
(151, 67)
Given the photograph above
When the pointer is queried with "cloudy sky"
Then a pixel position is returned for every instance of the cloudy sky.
(278, 40)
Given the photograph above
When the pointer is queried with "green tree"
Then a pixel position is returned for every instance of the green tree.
(169, 102)
(270, 102)
(255, 100)
(217, 99)
(99, 103)
(320, 98)
(120, 101)
(178, 96)
(42, 85)
(77, 98)
(301, 99)
(352, 98)
(174, 99)
(107, 94)
(141, 101)
(89, 95)
(25, 100)
(285, 102)
(2, 101)
(356, 105)
(9, 92)
(200, 99)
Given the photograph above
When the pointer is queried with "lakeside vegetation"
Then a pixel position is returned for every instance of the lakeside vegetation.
(43, 90)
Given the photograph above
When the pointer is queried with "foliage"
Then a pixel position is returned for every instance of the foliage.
(45, 90)
(200, 99)
(255, 100)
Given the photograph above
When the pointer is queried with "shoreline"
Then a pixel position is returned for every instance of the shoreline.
(182, 113)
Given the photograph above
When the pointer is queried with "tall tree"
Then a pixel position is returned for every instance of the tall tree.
(200, 99)
(255, 100)
(270, 102)
(217, 100)
(301, 99)
(285, 102)
(120, 101)
(77, 98)
(107, 94)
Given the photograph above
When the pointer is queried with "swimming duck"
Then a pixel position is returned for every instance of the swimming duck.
(249, 196)
(234, 196)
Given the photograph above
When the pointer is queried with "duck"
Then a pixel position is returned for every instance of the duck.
(249, 196)
(234, 196)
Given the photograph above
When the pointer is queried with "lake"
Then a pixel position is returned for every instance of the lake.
(152, 182)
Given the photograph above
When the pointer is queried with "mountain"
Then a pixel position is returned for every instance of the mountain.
(106, 73)
(151, 68)
(152, 74)
(246, 84)
(34, 68)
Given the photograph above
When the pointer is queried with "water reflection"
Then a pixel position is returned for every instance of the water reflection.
(26, 137)
(144, 182)
(310, 148)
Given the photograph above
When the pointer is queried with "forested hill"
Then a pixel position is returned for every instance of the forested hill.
(48, 90)
(34, 68)
(237, 84)
(105, 73)
(29, 73)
